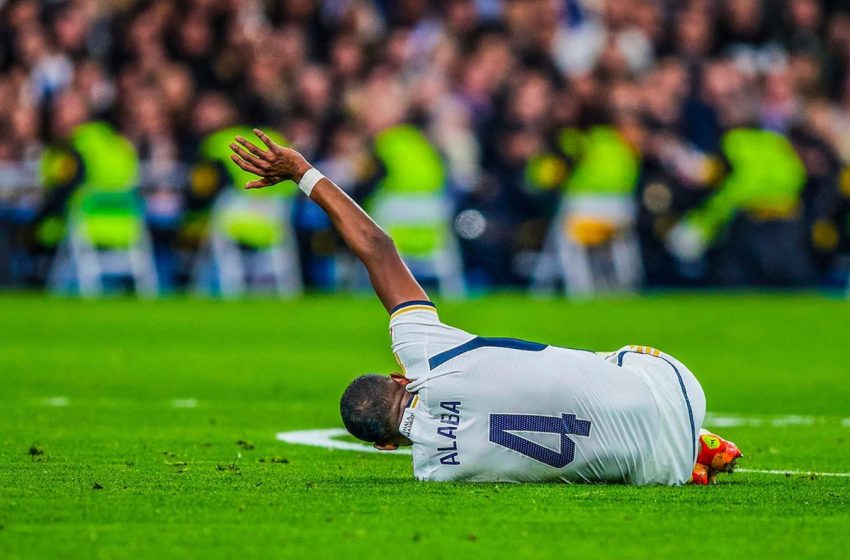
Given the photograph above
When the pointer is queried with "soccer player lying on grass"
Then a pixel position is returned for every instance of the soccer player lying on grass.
(501, 409)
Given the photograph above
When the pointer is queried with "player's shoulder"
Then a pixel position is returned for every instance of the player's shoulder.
(420, 318)
(414, 311)
(418, 335)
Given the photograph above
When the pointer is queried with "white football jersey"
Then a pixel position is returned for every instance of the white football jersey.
(495, 409)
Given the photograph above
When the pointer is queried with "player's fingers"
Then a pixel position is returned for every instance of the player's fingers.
(266, 140)
(260, 153)
(260, 183)
(245, 155)
(249, 167)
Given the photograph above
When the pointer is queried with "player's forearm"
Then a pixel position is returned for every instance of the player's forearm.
(361, 234)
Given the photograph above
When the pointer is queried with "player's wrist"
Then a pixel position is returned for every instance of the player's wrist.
(308, 180)
(300, 170)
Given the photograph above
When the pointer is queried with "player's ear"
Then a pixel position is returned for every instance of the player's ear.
(385, 446)
(400, 379)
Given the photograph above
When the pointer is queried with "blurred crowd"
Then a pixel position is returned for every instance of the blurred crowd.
(725, 122)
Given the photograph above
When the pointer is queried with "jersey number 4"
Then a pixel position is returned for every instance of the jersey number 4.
(502, 427)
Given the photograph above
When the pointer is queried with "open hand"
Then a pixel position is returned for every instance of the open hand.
(274, 165)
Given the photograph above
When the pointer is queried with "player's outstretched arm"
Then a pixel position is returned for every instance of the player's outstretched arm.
(390, 277)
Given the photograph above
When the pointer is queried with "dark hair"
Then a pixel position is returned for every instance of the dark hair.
(365, 408)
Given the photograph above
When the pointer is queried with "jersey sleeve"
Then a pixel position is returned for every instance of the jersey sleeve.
(418, 335)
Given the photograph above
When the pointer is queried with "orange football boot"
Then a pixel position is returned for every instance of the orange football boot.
(716, 455)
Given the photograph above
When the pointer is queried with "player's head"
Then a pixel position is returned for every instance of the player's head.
(371, 408)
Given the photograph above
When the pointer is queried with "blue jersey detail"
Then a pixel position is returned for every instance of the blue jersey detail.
(681, 386)
(483, 342)
(409, 303)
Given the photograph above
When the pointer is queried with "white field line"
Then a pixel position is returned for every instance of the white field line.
(717, 420)
(184, 403)
(327, 439)
(110, 403)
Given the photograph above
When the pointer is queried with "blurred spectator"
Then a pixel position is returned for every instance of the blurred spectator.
(511, 93)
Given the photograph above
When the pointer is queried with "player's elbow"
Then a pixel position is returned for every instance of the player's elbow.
(381, 244)
(374, 245)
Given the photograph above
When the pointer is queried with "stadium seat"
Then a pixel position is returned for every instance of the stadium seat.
(592, 245)
(106, 233)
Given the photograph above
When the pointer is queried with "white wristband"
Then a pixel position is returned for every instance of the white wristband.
(309, 180)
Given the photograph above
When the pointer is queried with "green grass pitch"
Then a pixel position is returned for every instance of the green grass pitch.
(147, 430)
